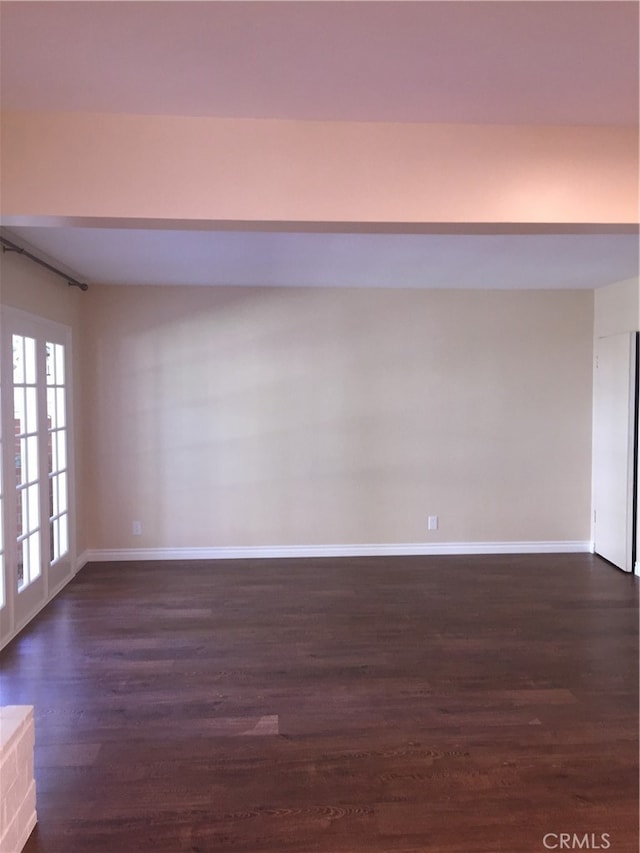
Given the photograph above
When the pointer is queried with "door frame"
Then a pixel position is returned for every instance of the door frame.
(629, 561)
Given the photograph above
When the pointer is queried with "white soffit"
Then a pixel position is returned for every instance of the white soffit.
(319, 259)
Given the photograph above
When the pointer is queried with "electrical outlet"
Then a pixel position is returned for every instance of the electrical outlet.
(432, 522)
(137, 528)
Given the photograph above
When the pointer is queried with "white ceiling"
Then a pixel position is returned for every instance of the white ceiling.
(454, 61)
(141, 256)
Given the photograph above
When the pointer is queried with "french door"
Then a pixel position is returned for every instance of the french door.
(36, 557)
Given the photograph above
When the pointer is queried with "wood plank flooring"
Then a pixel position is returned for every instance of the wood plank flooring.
(448, 704)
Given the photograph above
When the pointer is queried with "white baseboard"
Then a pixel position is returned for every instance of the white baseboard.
(82, 560)
(257, 552)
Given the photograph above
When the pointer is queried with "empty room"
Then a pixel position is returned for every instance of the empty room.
(319, 426)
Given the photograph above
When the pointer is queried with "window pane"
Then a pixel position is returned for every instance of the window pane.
(32, 458)
(61, 444)
(21, 521)
(18, 411)
(60, 407)
(18, 359)
(22, 550)
(59, 351)
(29, 361)
(34, 557)
(63, 523)
(51, 452)
(26, 460)
(51, 408)
(53, 497)
(62, 493)
(32, 409)
(51, 366)
(55, 540)
(21, 461)
(33, 495)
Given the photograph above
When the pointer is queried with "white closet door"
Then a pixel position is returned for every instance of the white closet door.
(614, 432)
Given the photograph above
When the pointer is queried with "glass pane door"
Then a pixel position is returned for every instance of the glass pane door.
(36, 498)
(57, 455)
(25, 418)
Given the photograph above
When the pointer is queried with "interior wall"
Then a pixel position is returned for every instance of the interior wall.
(617, 308)
(283, 416)
(31, 288)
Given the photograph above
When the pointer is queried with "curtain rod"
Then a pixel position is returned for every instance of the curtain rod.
(8, 246)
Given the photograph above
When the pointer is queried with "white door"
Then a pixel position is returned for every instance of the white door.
(36, 558)
(614, 438)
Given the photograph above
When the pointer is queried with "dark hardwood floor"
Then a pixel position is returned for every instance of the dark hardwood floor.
(448, 704)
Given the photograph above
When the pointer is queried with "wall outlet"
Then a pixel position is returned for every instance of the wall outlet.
(432, 522)
(137, 528)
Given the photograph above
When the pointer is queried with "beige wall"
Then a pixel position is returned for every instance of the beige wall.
(30, 288)
(289, 417)
(617, 308)
(25, 285)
